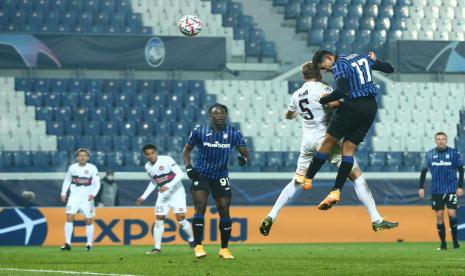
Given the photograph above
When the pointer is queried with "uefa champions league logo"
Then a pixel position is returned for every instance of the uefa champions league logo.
(455, 59)
(155, 52)
(22, 227)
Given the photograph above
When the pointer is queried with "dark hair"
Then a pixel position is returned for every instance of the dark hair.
(319, 55)
(149, 146)
(79, 150)
(440, 133)
(218, 105)
(310, 72)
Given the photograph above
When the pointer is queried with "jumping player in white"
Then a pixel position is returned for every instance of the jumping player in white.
(83, 182)
(305, 101)
(166, 175)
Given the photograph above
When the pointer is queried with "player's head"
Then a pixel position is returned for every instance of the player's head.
(309, 72)
(150, 152)
(218, 114)
(323, 60)
(82, 156)
(441, 140)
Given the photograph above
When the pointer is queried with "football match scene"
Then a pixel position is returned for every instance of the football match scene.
(232, 137)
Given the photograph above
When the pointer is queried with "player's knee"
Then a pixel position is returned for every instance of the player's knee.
(180, 217)
(160, 217)
(200, 209)
(223, 212)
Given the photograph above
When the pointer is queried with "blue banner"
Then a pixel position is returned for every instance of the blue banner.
(120, 52)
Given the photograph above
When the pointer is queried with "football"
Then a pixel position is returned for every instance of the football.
(190, 25)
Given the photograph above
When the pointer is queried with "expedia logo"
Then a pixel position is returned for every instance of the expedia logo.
(22, 227)
(155, 52)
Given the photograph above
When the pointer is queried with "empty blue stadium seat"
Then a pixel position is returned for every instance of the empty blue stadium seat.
(117, 114)
(76, 85)
(133, 159)
(367, 23)
(164, 128)
(319, 23)
(377, 159)
(58, 85)
(98, 114)
(151, 114)
(55, 128)
(292, 10)
(109, 128)
(394, 158)
(304, 23)
(324, 9)
(81, 114)
(22, 159)
(145, 128)
(87, 99)
(332, 35)
(127, 128)
(73, 128)
(219, 6)
(63, 113)
(340, 9)
(336, 23)
(280, 2)
(104, 143)
(40, 159)
(134, 20)
(66, 143)
(115, 159)
(258, 159)
(316, 37)
(34, 98)
(145, 86)
(92, 128)
(158, 100)
(44, 113)
(98, 158)
(59, 159)
(269, 49)
(22, 84)
(196, 86)
(123, 99)
(411, 159)
(6, 159)
(121, 143)
(274, 159)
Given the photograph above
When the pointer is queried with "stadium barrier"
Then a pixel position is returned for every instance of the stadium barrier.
(133, 226)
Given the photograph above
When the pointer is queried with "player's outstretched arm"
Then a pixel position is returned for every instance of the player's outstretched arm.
(150, 188)
(342, 89)
(379, 65)
(244, 158)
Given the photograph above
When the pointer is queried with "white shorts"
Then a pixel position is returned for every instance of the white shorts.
(309, 146)
(81, 205)
(175, 200)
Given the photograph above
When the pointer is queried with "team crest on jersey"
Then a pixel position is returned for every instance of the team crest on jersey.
(161, 168)
(225, 136)
(181, 210)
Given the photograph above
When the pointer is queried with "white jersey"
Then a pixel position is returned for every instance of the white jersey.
(81, 180)
(165, 171)
(305, 101)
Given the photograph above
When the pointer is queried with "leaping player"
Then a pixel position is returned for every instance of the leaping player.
(165, 175)
(305, 101)
(83, 181)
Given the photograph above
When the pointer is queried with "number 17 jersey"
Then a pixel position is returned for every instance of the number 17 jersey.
(305, 101)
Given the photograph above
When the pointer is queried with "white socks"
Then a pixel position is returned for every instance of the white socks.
(68, 232)
(158, 230)
(365, 196)
(90, 234)
(187, 229)
(286, 195)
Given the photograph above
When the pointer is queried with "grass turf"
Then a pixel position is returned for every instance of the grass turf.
(270, 259)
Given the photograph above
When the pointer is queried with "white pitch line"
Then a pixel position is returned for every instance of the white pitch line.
(63, 272)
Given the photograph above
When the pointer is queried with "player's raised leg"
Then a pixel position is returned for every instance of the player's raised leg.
(364, 195)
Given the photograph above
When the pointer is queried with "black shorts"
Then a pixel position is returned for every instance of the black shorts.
(449, 200)
(218, 187)
(353, 119)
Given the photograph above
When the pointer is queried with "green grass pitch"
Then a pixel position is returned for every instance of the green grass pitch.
(270, 259)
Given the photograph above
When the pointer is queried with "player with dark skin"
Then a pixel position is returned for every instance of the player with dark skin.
(218, 117)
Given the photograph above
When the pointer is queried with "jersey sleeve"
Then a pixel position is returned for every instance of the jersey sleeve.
(427, 160)
(96, 182)
(292, 104)
(66, 182)
(238, 139)
(194, 137)
(341, 70)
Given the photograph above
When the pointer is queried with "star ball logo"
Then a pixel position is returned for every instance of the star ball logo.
(22, 226)
(155, 52)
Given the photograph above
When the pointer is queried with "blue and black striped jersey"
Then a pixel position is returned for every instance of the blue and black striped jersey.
(443, 165)
(357, 70)
(214, 149)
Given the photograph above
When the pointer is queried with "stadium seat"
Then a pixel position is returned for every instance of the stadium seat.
(59, 159)
(40, 159)
(133, 159)
(109, 128)
(66, 143)
(104, 143)
(92, 128)
(115, 159)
